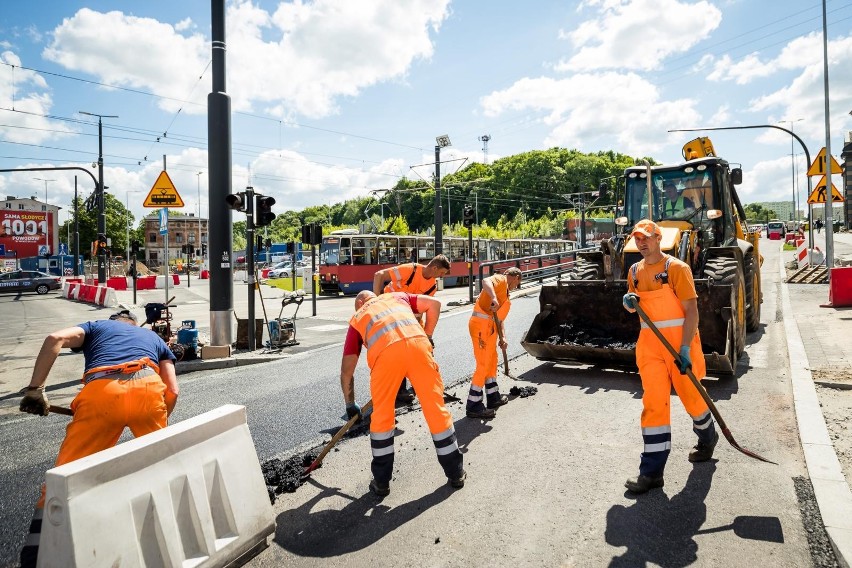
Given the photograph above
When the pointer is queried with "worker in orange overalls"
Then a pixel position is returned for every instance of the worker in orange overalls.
(663, 286)
(413, 278)
(397, 347)
(129, 381)
(494, 299)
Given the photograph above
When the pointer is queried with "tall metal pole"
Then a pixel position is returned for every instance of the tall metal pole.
(829, 213)
(439, 214)
(166, 243)
(220, 241)
(250, 264)
(76, 233)
(100, 193)
(470, 264)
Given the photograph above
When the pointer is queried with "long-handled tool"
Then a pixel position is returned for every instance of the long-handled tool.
(500, 337)
(60, 410)
(336, 438)
(701, 390)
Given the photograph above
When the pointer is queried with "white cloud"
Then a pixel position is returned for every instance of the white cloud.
(638, 34)
(300, 59)
(634, 116)
(28, 94)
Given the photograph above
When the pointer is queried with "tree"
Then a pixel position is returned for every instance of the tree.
(756, 213)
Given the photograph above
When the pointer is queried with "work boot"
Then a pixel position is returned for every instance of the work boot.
(479, 411)
(703, 451)
(643, 483)
(458, 482)
(380, 488)
(404, 396)
(497, 400)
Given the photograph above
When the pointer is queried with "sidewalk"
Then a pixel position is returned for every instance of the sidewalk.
(820, 350)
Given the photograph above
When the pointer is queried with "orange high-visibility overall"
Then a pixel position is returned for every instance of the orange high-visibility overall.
(409, 278)
(659, 372)
(483, 336)
(397, 347)
(112, 398)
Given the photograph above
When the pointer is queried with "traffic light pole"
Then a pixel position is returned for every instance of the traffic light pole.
(250, 276)
(470, 263)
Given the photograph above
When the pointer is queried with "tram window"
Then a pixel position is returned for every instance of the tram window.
(345, 256)
(359, 251)
(407, 250)
(388, 250)
(457, 250)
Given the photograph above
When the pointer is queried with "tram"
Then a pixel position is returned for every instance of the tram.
(349, 260)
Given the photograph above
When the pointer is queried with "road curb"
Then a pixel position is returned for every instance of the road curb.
(833, 495)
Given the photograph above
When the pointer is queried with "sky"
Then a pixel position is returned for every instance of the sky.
(333, 99)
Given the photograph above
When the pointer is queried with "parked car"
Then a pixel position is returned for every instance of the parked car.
(29, 281)
(776, 230)
(285, 270)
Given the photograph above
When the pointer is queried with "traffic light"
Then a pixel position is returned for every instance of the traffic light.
(203, 248)
(102, 244)
(468, 216)
(236, 201)
(312, 234)
(263, 214)
(268, 243)
(135, 246)
(290, 248)
(258, 243)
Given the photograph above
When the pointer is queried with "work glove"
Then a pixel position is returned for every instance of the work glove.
(34, 401)
(685, 362)
(630, 300)
(353, 410)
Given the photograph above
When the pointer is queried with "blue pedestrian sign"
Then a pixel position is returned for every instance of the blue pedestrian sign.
(43, 250)
(63, 249)
(164, 221)
(2, 250)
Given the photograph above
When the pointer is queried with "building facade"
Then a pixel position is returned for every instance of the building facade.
(29, 227)
(783, 209)
(182, 230)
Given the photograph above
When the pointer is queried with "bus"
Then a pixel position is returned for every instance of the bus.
(349, 259)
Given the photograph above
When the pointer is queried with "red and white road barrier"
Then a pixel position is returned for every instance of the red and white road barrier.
(801, 252)
(98, 295)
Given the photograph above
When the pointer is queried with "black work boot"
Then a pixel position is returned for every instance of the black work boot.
(479, 411)
(380, 488)
(497, 400)
(404, 396)
(643, 483)
(458, 482)
(703, 451)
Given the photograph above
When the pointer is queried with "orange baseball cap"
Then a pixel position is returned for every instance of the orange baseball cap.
(647, 228)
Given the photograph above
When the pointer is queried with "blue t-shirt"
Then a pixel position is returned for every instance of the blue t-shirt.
(111, 342)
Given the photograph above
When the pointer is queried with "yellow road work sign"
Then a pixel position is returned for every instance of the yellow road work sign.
(818, 167)
(818, 195)
(163, 193)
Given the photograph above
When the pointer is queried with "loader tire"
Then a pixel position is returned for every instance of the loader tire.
(724, 270)
(585, 270)
(752, 292)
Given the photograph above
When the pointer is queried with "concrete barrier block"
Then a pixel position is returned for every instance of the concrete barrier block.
(110, 299)
(215, 351)
(189, 495)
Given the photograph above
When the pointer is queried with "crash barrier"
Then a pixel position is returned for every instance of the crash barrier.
(117, 282)
(174, 280)
(98, 295)
(146, 282)
(840, 287)
(191, 494)
(204, 274)
(801, 253)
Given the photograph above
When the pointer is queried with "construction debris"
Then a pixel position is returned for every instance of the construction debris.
(523, 392)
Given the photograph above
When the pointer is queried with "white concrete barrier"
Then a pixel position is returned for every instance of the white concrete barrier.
(189, 495)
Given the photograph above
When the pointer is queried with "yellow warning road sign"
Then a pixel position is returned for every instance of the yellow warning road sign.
(818, 195)
(163, 193)
(818, 166)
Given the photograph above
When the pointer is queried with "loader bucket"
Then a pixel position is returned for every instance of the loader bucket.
(584, 321)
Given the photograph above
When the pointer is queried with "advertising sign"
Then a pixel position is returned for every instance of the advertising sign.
(24, 232)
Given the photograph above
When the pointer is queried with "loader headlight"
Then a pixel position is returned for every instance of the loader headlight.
(621, 221)
(714, 214)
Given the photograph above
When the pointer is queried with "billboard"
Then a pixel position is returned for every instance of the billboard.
(26, 232)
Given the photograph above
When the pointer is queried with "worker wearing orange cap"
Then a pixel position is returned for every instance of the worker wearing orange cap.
(663, 286)
(397, 347)
(413, 278)
(494, 299)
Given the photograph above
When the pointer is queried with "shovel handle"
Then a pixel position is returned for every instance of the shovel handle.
(53, 409)
(701, 390)
(503, 349)
(336, 438)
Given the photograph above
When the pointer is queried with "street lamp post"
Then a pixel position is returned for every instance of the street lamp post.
(793, 165)
(46, 213)
(101, 200)
(440, 142)
(198, 183)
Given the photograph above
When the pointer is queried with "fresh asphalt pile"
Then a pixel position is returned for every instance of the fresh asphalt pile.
(573, 334)
(523, 392)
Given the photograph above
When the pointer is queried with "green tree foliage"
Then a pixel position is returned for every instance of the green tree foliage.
(757, 213)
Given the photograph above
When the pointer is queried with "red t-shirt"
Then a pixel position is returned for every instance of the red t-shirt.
(354, 341)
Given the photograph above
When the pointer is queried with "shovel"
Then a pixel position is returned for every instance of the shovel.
(698, 385)
(505, 355)
(336, 438)
(53, 409)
